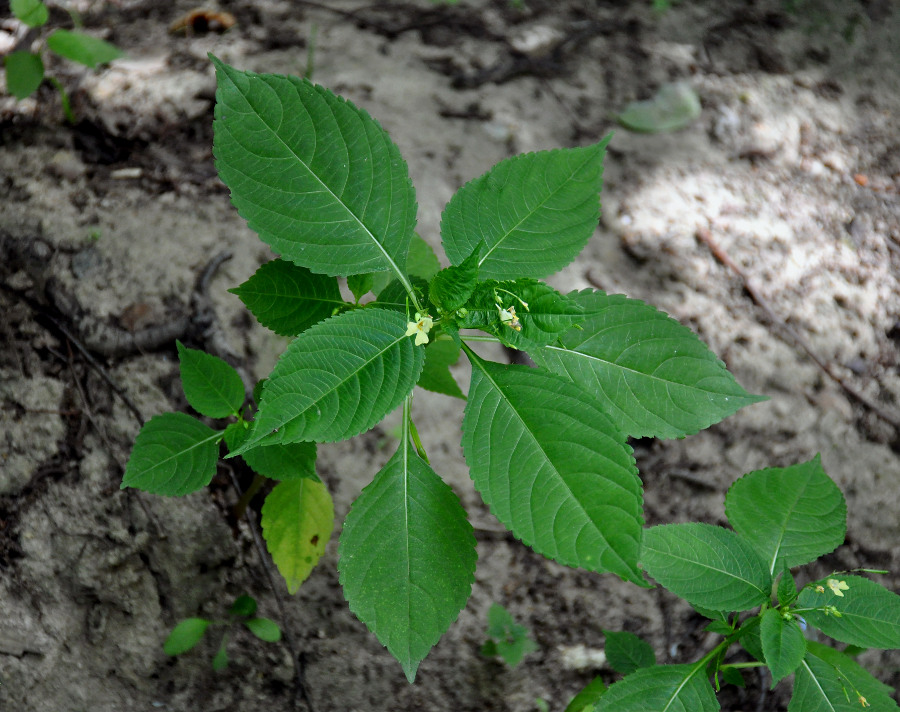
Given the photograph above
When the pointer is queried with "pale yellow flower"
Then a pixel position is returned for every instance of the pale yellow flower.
(420, 327)
(837, 587)
(863, 701)
(508, 317)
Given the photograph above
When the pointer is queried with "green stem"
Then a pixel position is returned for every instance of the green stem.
(244, 501)
(64, 99)
(479, 338)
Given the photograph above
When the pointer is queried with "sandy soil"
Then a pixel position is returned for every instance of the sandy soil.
(792, 169)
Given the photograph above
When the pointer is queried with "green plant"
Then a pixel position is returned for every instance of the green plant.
(742, 580)
(321, 183)
(25, 69)
(506, 638)
(189, 632)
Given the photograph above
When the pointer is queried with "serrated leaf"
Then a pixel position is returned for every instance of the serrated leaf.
(395, 297)
(316, 177)
(264, 629)
(293, 461)
(626, 652)
(791, 515)
(407, 558)
(783, 644)
(421, 263)
(289, 299)
(24, 73)
(337, 379)
(706, 565)
(297, 521)
(243, 606)
(589, 696)
(828, 681)
(185, 635)
(211, 386)
(787, 588)
(452, 286)
(173, 455)
(673, 107)
(661, 688)
(535, 212)
(82, 48)
(360, 284)
(33, 13)
(652, 375)
(511, 640)
(436, 376)
(869, 613)
(553, 468)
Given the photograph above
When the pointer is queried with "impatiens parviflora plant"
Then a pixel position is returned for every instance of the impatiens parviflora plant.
(742, 579)
(325, 187)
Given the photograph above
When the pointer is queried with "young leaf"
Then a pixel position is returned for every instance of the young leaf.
(661, 688)
(509, 639)
(33, 13)
(337, 379)
(791, 515)
(361, 284)
(626, 652)
(588, 697)
(264, 629)
(297, 521)
(783, 644)
(535, 212)
(733, 677)
(675, 106)
(436, 376)
(243, 606)
(173, 455)
(407, 558)
(24, 73)
(652, 375)
(452, 286)
(787, 588)
(82, 48)
(289, 299)
(317, 178)
(293, 461)
(706, 565)
(211, 386)
(185, 635)
(220, 659)
(869, 613)
(553, 468)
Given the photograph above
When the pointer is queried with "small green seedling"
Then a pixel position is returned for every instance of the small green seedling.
(547, 447)
(189, 632)
(506, 638)
(25, 69)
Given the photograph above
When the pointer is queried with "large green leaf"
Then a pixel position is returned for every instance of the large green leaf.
(652, 375)
(707, 566)
(317, 178)
(82, 48)
(553, 468)
(173, 455)
(407, 558)
(337, 379)
(869, 613)
(661, 688)
(297, 521)
(535, 212)
(293, 461)
(783, 644)
(211, 386)
(289, 299)
(791, 515)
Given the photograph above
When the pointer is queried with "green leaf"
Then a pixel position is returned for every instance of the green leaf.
(510, 640)
(395, 297)
(185, 635)
(317, 178)
(869, 613)
(82, 48)
(337, 379)
(407, 558)
(547, 315)
(421, 263)
(791, 515)
(293, 461)
(706, 565)
(24, 73)
(674, 107)
(297, 521)
(243, 606)
(787, 588)
(750, 638)
(173, 455)
(661, 688)
(553, 468)
(783, 644)
(733, 677)
(452, 286)
(220, 659)
(828, 681)
(33, 13)
(535, 212)
(652, 375)
(626, 652)
(211, 386)
(589, 696)
(264, 629)
(361, 284)
(436, 376)
(289, 299)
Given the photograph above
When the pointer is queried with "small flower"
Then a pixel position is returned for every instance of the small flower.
(820, 589)
(508, 317)
(420, 327)
(863, 701)
(837, 587)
